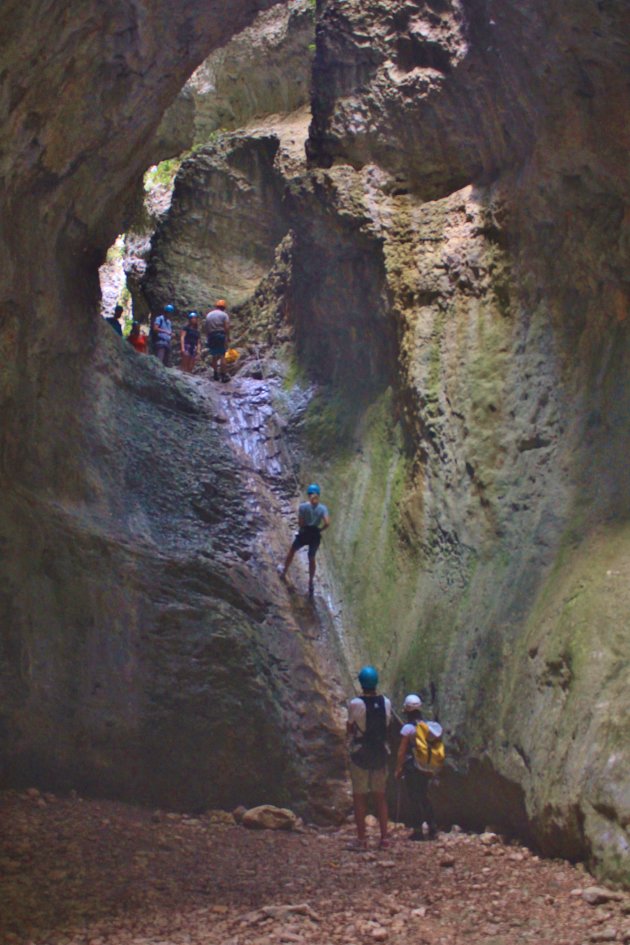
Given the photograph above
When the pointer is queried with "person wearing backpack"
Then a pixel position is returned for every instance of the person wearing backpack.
(369, 716)
(163, 333)
(420, 759)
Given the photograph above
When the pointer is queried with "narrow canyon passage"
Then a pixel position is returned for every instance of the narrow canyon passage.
(78, 871)
(419, 215)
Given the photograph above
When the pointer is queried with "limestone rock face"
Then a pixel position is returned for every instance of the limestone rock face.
(134, 637)
(151, 651)
(264, 70)
(221, 231)
(507, 476)
(462, 291)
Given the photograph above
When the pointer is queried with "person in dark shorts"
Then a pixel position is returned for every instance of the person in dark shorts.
(410, 771)
(313, 518)
(190, 342)
(369, 717)
(163, 334)
(218, 338)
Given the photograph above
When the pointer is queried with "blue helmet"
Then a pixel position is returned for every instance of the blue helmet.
(193, 314)
(169, 308)
(313, 489)
(368, 677)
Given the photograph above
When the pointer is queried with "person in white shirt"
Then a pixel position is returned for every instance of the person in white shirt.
(408, 769)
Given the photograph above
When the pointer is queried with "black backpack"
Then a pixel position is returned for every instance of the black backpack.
(372, 752)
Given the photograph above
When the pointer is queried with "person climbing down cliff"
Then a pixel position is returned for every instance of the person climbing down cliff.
(190, 343)
(136, 339)
(218, 338)
(313, 519)
(114, 320)
(163, 334)
(369, 717)
(420, 758)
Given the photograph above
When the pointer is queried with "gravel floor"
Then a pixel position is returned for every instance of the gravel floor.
(77, 872)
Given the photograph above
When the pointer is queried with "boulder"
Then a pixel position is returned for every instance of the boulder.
(268, 817)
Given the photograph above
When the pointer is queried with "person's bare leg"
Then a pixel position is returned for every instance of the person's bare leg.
(360, 813)
(311, 574)
(287, 563)
(380, 802)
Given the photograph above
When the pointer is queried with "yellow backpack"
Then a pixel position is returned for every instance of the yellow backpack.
(428, 749)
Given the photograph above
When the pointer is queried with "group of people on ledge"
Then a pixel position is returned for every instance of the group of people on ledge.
(419, 760)
(162, 334)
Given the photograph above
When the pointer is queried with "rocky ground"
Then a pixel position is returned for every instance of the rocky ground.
(80, 872)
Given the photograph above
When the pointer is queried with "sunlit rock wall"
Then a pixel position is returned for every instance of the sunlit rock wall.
(264, 70)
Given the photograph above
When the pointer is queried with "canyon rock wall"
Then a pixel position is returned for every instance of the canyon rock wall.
(134, 644)
(264, 70)
(454, 273)
(507, 523)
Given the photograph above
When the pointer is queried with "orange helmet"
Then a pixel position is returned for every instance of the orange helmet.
(221, 303)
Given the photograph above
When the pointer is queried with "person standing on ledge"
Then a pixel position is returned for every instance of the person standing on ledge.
(163, 334)
(369, 716)
(218, 338)
(136, 339)
(114, 320)
(313, 519)
(189, 343)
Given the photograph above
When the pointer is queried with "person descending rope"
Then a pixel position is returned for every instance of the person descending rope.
(369, 716)
(218, 338)
(190, 342)
(420, 758)
(313, 519)
(163, 333)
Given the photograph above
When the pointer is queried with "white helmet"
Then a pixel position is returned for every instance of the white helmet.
(435, 729)
(412, 703)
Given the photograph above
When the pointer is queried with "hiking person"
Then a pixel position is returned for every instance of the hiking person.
(218, 338)
(313, 519)
(369, 716)
(163, 334)
(190, 340)
(114, 320)
(136, 339)
(420, 757)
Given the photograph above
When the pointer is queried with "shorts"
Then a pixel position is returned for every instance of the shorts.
(367, 782)
(216, 344)
(310, 536)
(163, 354)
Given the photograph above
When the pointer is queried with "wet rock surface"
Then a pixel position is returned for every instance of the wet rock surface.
(78, 871)
(195, 635)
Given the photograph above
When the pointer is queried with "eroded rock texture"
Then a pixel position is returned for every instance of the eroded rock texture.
(455, 268)
(511, 296)
(135, 645)
(264, 70)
